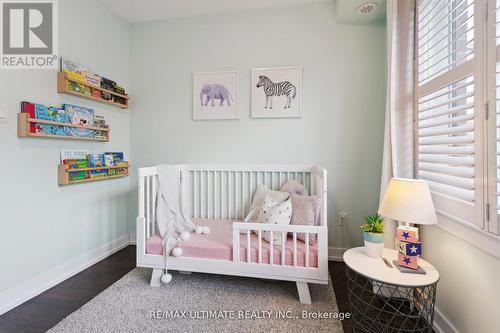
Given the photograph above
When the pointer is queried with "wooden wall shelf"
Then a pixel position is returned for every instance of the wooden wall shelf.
(23, 129)
(63, 174)
(62, 87)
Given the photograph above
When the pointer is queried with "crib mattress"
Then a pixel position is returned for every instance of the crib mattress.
(219, 245)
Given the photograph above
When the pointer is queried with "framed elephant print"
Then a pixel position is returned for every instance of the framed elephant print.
(215, 95)
(276, 92)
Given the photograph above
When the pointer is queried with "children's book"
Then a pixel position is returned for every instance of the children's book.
(114, 159)
(78, 175)
(67, 155)
(72, 66)
(42, 112)
(76, 163)
(76, 87)
(81, 116)
(100, 121)
(29, 108)
(108, 160)
(59, 115)
(98, 173)
(96, 160)
(92, 79)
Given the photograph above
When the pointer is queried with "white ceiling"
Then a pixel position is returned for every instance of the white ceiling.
(134, 11)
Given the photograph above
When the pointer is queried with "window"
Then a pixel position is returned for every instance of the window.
(457, 126)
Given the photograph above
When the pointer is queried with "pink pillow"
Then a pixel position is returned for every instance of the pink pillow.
(305, 211)
(293, 186)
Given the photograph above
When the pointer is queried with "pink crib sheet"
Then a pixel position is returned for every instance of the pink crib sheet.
(219, 245)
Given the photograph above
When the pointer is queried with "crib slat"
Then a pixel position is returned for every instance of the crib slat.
(260, 246)
(195, 194)
(214, 195)
(202, 194)
(228, 196)
(242, 193)
(221, 203)
(271, 248)
(283, 236)
(235, 212)
(307, 249)
(153, 203)
(236, 245)
(148, 204)
(248, 246)
(294, 249)
(249, 192)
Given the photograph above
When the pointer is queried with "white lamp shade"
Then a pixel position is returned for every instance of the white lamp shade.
(408, 200)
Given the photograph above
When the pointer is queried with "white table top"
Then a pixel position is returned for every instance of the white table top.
(375, 268)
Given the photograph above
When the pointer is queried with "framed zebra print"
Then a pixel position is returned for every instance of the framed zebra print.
(276, 92)
(215, 95)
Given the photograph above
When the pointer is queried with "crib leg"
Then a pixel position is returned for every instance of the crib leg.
(185, 272)
(156, 276)
(304, 296)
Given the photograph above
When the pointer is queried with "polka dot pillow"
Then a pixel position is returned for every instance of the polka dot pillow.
(260, 194)
(275, 212)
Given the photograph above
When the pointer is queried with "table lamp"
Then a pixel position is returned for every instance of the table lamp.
(408, 201)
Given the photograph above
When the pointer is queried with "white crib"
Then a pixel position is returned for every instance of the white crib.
(225, 192)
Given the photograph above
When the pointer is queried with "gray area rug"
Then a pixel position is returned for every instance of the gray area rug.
(204, 303)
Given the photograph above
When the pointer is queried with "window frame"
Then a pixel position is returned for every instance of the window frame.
(474, 231)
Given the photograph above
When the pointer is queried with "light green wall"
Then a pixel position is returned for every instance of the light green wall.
(343, 99)
(469, 285)
(43, 225)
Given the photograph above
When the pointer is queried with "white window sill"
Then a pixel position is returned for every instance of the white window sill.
(470, 233)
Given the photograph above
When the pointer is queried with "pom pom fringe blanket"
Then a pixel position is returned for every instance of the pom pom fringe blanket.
(172, 213)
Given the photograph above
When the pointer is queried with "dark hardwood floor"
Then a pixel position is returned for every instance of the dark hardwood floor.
(47, 309)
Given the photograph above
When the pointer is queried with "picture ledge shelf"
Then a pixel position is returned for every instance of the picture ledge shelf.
(23, 129)
(62, 87)
(63, 174)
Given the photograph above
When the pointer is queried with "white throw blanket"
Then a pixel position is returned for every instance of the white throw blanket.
(172, 215)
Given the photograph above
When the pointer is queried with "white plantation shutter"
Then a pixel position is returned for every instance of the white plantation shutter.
(491, 224)
(447, 142)
(445, 36)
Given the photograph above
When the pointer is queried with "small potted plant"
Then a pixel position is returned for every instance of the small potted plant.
(373, 235)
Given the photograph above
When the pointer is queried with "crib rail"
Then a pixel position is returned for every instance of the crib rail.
(246, 229)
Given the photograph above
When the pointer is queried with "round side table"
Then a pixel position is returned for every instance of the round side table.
(382, 299)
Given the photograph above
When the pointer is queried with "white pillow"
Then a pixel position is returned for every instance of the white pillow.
(274, 212)
(258, 199)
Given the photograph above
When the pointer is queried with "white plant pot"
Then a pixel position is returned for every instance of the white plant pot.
(374, 250)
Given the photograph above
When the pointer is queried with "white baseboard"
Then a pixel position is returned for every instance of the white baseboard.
(19, 294)
(133, 238)
(336, 253)
(442, 324)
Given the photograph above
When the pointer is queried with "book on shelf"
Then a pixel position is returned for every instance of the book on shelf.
(100, 121)
(67, 154)
(59, 115)
(96, 160)
(71, 66)
(42, 112)
(92, 79)
(79, 115)
(78, 88)
(107, 84)
(29, 108)
(114, 159)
